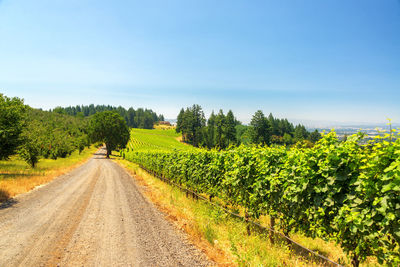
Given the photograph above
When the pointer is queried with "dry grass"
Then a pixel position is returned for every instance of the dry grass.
(16, 177)
(164, 127)
(222, 238)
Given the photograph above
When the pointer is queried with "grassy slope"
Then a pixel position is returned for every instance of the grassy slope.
(224, 239)
(18, 177)
(156, 139)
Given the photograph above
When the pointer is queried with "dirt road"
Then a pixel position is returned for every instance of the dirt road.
(93, 216)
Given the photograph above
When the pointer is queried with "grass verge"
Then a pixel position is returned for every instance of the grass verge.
(222, 238)
(18, 177)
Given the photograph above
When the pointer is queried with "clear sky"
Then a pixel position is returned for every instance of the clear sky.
(331, 60)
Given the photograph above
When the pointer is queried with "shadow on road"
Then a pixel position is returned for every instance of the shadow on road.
(101, 154)
(5, 200)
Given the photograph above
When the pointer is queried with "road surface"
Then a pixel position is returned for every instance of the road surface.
(93, 216)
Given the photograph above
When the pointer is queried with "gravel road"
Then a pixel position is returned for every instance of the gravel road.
(93, 216)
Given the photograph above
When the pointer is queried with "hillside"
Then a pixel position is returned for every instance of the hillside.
(156, 140)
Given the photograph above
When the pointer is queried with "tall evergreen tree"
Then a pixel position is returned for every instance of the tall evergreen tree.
(198, 123)
(314, 136)
(230, 128)
(179, 121)
(274, 125)
(260, 131)
(300, 133)
(211, 130)
(191, 123)
(220, 130)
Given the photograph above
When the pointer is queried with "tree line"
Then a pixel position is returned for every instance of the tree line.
(222, 130)
(34, 134)
(139, 118)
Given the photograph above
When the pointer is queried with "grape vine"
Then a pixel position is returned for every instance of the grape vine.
(336, 190)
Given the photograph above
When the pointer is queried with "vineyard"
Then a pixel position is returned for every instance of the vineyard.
(144, 140)
(338, 191)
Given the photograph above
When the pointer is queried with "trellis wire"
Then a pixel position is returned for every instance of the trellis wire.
(261, 227)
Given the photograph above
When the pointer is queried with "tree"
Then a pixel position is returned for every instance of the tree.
(109, 127)
(147, 121)
(60, 110)
(179, 121)
(143, 118)
(287, 139)
(314, 136)
(191, 123)
(274, 125)
(230, 128)
(219, 129)
(260, 130)
(12, 112)
(300, 133)
(30, 150)
(211, 130)
(198, 122)
(243, 134)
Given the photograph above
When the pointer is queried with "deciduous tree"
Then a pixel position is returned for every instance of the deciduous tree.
(12, 112)
(109, 127)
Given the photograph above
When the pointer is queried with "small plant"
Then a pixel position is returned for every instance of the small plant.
(210, 234)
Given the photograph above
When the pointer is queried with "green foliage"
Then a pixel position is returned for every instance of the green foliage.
(36, 133)
(209, 233)
(223, 130)
(314, 136)
(300, 133)
(156, 140)
(372, 216)
(51, 135)
(191, 123)
(243, 134)
(260, 130)
(287, 139)
(220, 130)
(335, 190)
(140, 118)
(210, 141)
(30, 150)
(109, 127)
(56, 135)
(220, 139)
(12, 112)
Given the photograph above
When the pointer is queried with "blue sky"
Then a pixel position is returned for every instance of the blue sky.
(311, 60)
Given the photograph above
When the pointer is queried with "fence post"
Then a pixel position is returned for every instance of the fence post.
(272, 233)
(246, 218)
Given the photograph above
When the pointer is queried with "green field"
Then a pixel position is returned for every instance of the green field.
(156, 140)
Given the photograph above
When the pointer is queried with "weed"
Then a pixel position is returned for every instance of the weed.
(209, 233)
